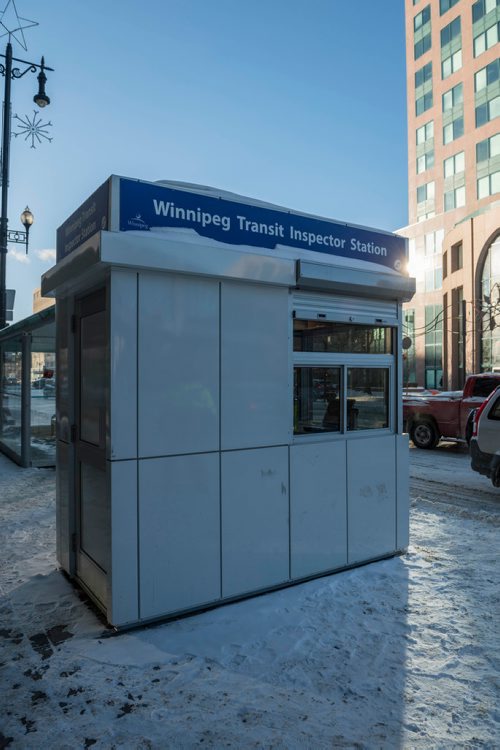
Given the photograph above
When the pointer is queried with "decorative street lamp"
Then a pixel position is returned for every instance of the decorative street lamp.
(33, 129)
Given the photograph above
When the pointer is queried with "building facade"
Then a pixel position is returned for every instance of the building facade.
(453, 90)
(41, 303)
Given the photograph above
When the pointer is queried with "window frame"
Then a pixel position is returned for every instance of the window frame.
(345, 361)
(455, 93)
(450, 31)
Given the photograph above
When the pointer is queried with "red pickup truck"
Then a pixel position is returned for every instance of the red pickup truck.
(430, 417)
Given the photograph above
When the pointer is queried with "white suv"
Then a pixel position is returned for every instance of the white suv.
(485, 441)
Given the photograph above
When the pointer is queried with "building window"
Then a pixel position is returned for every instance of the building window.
(335, 396)
(487, 75)
(426, 161)
(367, 398)
(445, 5)
(454, 164)
(423, 103)
(433, 277)
(488, 148)
(453, 130)
(317, 402)
(422, 18)
(445, 264)
(453, 97)
(423, 75)
(486, 39)
(487, 111)
(434, 242)
(340, 338)
(488, 185)
(490, 304)
(433, 346)
(409, 355)
(458, 299)
(425, 192)
(422, 46)
(426, 215)
(425, 132)
(450, 32)
(482, 7)
(451, 64)
(457, 257)
(454, 198)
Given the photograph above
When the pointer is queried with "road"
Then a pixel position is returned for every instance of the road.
(443, 477)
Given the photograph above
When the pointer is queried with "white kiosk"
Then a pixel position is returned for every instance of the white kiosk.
(228, 397)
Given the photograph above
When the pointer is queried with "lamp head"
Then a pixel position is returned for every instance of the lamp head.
(27, 218)
(41, 99)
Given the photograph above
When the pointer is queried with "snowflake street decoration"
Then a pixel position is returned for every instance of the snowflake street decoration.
(33, 128)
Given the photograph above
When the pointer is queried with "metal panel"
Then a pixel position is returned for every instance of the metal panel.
(403, 492)
(179, 530)
(255, 407)
(64, 506)
(73, 267)
(123, 579)
(352, 280)
(64, 412)
(123, 368)
(255, 520)
(371, 493)
(178, 361)
(179, 252)
(318, 508)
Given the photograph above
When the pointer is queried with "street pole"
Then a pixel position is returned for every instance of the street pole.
(41, 100)
(5, 186)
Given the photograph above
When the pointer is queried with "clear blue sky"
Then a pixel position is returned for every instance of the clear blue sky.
(298, 103)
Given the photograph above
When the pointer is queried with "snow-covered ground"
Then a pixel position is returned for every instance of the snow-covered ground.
(403, 653)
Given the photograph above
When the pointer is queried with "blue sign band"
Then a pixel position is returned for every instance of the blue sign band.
(144, 206)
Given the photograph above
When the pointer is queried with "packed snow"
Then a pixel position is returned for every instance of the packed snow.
(403, 653)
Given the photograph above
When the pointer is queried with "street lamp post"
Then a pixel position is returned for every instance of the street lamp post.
(40, 99)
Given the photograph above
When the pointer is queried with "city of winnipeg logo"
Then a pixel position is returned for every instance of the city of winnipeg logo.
(137, 222)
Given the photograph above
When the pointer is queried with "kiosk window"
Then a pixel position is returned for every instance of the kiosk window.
(368, 398)
(340, 338)
(317, 400)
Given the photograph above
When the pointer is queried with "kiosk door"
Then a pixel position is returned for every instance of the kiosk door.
(93, 505)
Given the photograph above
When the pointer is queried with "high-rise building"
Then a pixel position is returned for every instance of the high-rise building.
(453, 85)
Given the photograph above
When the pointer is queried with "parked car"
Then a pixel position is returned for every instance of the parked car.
(430, 417)
(485, 440)
(49, 389)
(39, 383)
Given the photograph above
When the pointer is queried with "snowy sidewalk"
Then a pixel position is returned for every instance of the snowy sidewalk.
(404, 653)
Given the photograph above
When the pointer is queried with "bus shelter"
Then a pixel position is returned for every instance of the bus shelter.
(27, 390)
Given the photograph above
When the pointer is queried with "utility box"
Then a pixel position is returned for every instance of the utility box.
(228, 397)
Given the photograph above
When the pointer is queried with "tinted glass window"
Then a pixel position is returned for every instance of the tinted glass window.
(495, 410)
(484, 386)
(340, 338)
(317, 400)
(367, 398)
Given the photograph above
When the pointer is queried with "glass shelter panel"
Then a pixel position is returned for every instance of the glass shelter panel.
(43, 397)
(10, 394)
